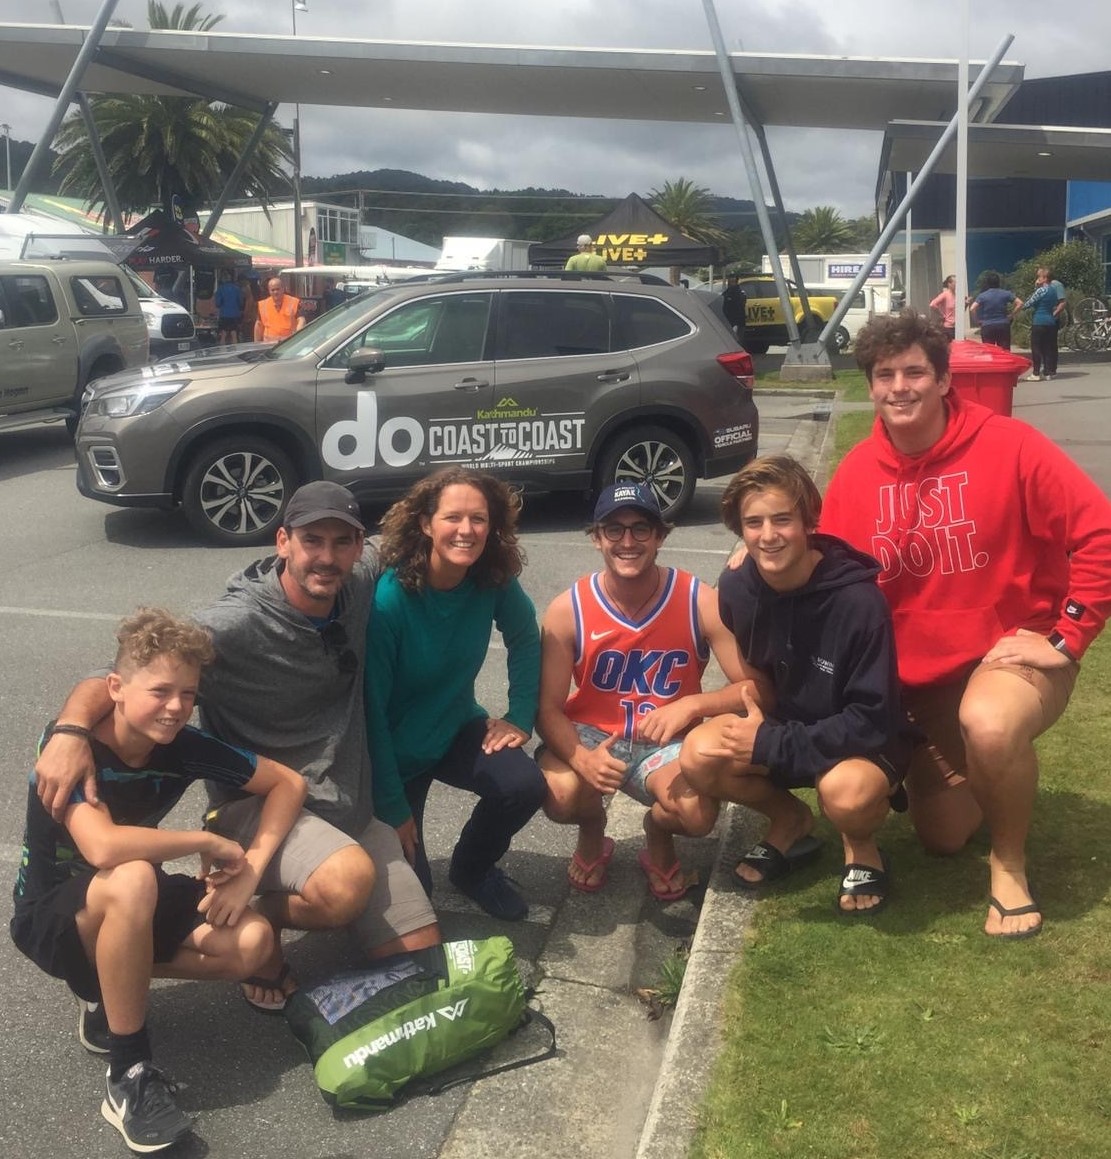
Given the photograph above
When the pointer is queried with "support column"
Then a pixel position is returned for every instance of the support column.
(73, 81)
(115, 217)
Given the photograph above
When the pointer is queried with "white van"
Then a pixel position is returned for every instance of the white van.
(862, 310)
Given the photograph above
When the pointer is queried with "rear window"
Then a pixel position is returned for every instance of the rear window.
(98, 296)
(549, 324)
(645, 321)
(29, 300)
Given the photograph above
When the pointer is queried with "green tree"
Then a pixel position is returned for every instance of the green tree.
(822, 230)
(689, 208)
(156, 147)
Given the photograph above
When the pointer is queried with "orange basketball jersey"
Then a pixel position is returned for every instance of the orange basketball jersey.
(623, 669)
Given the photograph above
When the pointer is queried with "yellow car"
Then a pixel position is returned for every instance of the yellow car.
(764, 322)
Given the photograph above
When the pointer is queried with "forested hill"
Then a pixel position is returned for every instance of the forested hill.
(428, 210)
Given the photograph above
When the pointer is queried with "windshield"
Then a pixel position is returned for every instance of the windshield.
(142, 290)
(322, 330)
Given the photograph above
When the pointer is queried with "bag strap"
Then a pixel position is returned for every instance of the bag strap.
(529, 1016)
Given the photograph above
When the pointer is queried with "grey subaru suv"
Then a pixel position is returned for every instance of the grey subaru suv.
(556, 382)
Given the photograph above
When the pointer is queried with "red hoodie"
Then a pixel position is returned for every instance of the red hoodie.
(995, 529)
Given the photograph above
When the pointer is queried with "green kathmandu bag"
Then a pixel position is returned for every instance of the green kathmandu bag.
(375, 1035)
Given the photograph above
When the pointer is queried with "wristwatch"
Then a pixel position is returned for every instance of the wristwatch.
(1058, 641)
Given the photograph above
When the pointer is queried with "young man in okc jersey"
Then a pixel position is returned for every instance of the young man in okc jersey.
(635, 638)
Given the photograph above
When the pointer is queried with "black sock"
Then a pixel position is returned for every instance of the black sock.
(125, 1050)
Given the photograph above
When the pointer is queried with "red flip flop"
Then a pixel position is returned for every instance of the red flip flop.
(586, 868)
(674, 885)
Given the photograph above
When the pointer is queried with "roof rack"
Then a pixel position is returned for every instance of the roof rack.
(558, 275)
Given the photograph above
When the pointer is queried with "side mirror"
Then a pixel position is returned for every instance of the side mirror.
(364, 362)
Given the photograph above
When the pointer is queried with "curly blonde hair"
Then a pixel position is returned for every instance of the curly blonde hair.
(407, 549)
(152, 632)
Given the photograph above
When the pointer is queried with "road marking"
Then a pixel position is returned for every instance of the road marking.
(59, 614)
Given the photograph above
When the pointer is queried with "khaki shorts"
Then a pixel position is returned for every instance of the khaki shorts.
(935, 709)
(398, 905)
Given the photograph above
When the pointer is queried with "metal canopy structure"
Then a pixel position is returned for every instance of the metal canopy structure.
(749, 90)
(625, 84)
(1040, 151)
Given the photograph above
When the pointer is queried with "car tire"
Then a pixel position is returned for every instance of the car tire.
(842, 339)
(236, 489)
(652, 455)
(755, 346)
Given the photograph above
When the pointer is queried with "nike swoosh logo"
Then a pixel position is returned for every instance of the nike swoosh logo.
(601, 635)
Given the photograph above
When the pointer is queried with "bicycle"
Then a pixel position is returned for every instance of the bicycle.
(1093, 335)
(1089, 310)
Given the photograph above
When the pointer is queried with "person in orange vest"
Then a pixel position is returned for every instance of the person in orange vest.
(279, 315)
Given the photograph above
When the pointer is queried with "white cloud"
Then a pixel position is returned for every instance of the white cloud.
(814, 168)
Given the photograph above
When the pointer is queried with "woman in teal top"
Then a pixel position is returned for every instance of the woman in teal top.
(450, 552)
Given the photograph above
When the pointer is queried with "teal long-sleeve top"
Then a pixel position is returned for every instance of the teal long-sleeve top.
(424, 652)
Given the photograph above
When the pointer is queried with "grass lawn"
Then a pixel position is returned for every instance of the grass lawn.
(912, 1035)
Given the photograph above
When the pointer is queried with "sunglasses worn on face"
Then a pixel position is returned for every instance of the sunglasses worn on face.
(615, 532)
(334, 637)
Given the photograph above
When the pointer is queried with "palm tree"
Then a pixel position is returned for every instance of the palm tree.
(688, 207)
(156, 147)
(822, 231)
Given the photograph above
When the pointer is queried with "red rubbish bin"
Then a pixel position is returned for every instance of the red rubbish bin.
(986, 374)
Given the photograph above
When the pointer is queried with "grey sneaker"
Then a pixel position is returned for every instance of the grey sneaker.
(141, 1107)
(92, 1026)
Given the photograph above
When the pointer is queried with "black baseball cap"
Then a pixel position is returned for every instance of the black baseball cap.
(635, 495)
(322, 500)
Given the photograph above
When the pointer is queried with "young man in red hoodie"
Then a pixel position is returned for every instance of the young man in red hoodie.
(995, 551)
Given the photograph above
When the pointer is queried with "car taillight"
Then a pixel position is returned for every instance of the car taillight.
(739, 364)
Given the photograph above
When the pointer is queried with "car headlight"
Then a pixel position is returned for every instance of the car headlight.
(124, 402)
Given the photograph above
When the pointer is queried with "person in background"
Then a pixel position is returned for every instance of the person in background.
(279, 314)
(229, 310)
(993, 309)
(733, 303)
(1044, 302)
(250, 310)
(587, 259)
(946, 305)
(450, 551)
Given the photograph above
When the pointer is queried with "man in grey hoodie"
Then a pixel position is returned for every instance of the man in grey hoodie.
(290, 637)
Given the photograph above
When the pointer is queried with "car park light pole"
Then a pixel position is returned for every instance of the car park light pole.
(298, 246)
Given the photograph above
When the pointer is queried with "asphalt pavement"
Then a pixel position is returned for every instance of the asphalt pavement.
(623, 1083)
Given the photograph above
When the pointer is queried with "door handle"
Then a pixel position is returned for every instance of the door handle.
(614, 376)
(58, 340)
(15, 344)
(471, 384)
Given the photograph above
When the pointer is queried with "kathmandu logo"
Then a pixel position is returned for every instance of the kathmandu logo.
(507, 408)
(408, 1029)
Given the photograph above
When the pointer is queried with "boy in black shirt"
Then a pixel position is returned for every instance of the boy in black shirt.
(94, 906)
(808, 616)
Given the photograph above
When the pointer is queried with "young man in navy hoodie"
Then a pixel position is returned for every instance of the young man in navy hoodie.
(807, 615)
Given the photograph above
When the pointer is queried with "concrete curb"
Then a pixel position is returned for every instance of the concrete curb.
(695, 1038)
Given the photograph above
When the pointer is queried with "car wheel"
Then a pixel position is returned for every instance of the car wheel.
(755, 346)
(810, 328)
(101, 368)
(652, 455)
(841, 339)
(236, 490)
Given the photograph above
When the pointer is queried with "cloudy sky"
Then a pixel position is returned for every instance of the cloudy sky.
(594, 157)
